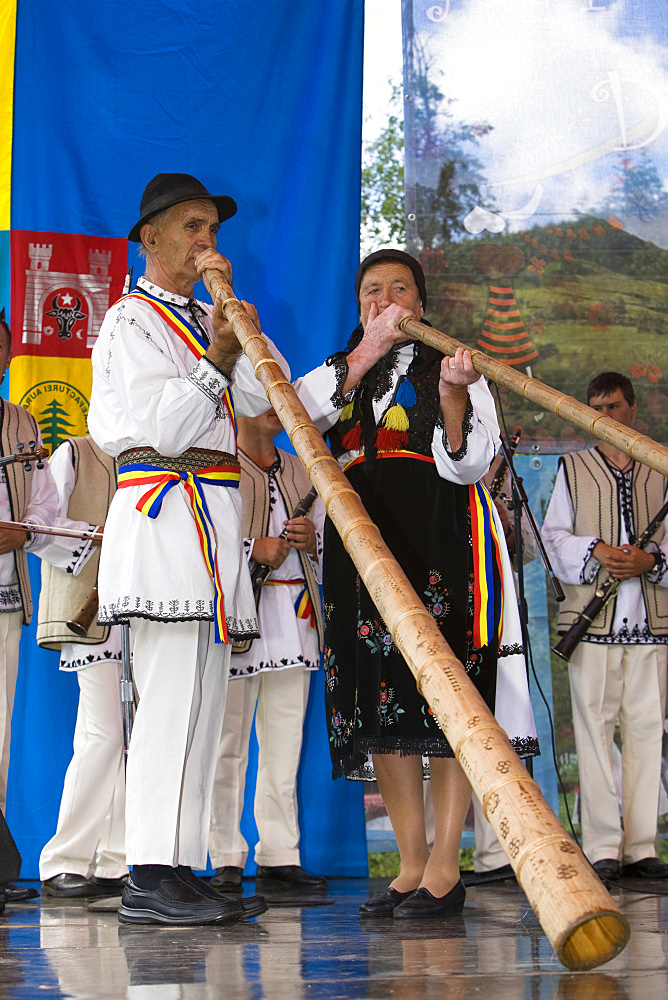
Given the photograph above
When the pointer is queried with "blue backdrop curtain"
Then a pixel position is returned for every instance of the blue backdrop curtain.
(262, 102)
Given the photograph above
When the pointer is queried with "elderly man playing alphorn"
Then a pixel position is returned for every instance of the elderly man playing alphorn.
(167, 379)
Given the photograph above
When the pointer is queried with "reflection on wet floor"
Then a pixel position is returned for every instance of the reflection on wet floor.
(496, 947)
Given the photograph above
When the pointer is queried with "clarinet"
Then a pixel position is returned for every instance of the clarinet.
(497, 482)
(258, 571)
(603, 595)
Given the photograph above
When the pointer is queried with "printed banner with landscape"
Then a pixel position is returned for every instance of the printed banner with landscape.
(536, 138)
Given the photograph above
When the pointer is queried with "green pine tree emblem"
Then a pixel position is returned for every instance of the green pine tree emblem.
(54, 425)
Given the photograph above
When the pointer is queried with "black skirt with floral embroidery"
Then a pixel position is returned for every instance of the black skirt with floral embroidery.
(373, 705)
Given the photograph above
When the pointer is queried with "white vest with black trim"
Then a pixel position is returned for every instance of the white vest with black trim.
(62, 594)
(594, 494)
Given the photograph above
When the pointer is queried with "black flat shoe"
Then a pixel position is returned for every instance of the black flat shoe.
(176, 903)
(227, 879)
(109, 886)
(646, 868)
(292, 875)
(607, 868)
(67, 885)
(17, 893)
(247, 906)
(422, 904)
(384, 906)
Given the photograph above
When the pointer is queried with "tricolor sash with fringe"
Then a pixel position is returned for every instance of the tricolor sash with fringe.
(160, 481)
(194, 339)
(303, 606)
(487, 588)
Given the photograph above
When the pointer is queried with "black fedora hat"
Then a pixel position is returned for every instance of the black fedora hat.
(166, 190)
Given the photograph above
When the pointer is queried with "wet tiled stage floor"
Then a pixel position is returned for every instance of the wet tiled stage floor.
(495, 951)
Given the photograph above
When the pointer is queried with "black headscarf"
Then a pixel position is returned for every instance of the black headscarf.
(402, 258)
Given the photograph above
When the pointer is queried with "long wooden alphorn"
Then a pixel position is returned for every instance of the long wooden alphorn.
(638, 446)
(578, 915)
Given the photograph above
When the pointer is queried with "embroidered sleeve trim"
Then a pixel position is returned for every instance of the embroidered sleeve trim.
(340, 364)
(10, 599)
(79, 556)
(206, 377)
(591, 565)
(318, 548)
(467, 427)
(657, 574)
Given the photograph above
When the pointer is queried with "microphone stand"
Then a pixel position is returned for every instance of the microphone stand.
(519, 503)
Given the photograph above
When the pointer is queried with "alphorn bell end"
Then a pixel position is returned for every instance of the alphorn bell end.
(593, 942)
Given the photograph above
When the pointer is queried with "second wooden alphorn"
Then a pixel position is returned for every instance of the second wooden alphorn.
(577, 913)
(638, 446)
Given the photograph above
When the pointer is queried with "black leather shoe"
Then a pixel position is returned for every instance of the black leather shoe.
(17, 893)
(292, 875)
(69, 886)
(488, 877)
(227, 879)
(385, 905)
(422, 904)
(607, 868)
(109, 886)
(174, 902)
(646, 868)
(247, 906)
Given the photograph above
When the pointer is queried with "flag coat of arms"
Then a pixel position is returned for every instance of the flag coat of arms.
(61, 288)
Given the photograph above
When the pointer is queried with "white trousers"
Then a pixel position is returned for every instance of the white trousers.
(10, 633)
(90, 836)
(181, 679)
(624, 683)
(281, 697)
(488, 853)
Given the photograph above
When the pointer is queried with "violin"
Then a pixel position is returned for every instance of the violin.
(34, 454)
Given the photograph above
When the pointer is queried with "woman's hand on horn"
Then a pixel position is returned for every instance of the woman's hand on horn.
(457, 372)
(381, 333)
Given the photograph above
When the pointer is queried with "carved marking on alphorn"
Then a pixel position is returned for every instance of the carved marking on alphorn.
(535, 852)
(499, 784)
(474, 729)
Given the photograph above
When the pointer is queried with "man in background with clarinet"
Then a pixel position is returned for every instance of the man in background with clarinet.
(167, 381)
(602, 502)
(273, 672)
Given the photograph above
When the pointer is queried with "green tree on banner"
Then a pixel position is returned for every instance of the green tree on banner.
(444, 146)
(383, 221)
(54, 425)
(637, 188)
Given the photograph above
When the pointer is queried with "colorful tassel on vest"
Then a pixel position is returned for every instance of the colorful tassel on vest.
(392, 435)
(352, 440)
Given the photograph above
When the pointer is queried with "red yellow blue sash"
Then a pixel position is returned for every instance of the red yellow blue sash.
(303, 606)
(487, 594)
(160, 481)
(194, 339)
